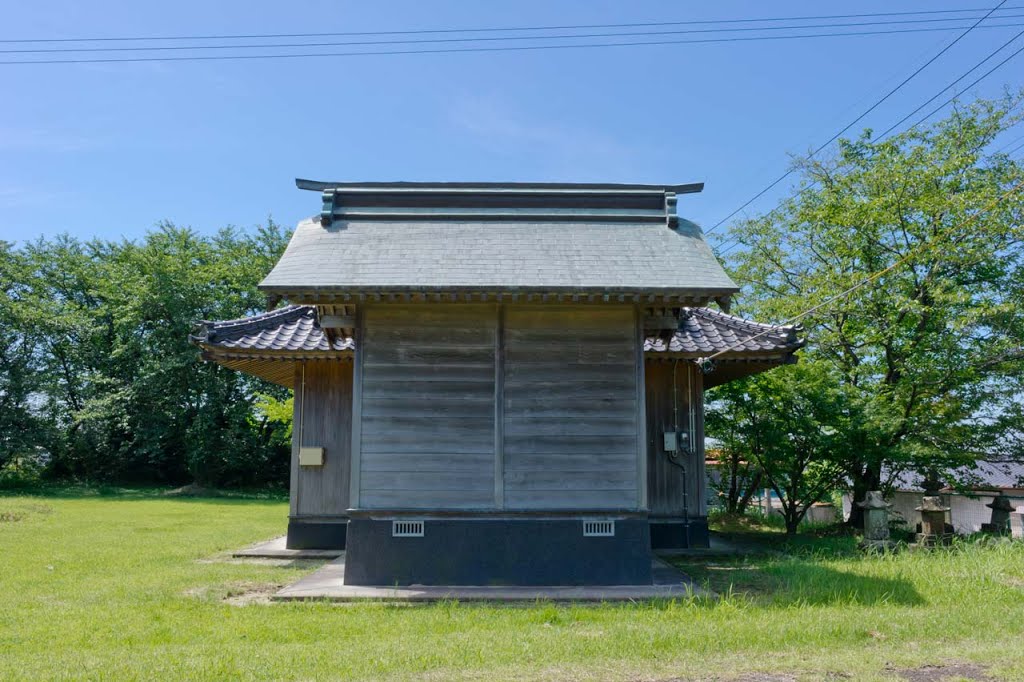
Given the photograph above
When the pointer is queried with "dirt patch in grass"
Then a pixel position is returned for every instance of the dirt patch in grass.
(193, 490)
(938, 673)
(21, 512)
(237, 593)
(305, 564)
(749, 677)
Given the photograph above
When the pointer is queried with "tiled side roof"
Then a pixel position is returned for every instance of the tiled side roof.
(704, 331)
(292, 328)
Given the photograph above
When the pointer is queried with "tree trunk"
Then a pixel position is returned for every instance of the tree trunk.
(867, 479)
(748, 494)
(731, 500)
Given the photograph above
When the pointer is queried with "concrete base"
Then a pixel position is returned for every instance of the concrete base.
(328, 583)
(278, 549)
(317, 534)
(502, 551)
(680, 534)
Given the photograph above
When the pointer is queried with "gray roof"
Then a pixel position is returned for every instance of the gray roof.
(982, 475)
(703, 331)
(294, 329)
(486, 237)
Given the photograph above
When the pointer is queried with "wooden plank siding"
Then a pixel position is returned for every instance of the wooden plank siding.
(670, 490)
(427, 437)
(570, 408)
(322, 418)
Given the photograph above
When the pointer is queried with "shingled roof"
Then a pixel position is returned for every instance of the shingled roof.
(293, 328)
(257, 344)
(703, 331)
(621, 240)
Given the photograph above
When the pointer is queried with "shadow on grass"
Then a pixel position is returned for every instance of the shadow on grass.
(796, 581)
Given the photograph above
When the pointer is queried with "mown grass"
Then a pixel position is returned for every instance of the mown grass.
(134, 587)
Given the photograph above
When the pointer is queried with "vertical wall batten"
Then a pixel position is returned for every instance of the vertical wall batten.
(499, 407)
(293, 498)
(641, 412)
(699, 476)
(355, 473)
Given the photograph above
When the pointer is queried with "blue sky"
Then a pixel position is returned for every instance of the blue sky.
(109, 150)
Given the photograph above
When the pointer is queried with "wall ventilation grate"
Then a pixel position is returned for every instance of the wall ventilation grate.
(598, 529)
(407, 529)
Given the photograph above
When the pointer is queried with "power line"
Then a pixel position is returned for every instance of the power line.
(515, 48)
(856, 120)
(490, 29)
(491, 38)
(964, 75)
(875, 275)
(734, 243)
(1015, 149)
(971, 85)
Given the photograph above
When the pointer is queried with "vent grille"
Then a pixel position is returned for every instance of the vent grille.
(407, 529)
(602, 528)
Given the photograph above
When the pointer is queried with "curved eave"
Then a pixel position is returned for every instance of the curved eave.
(277, 367)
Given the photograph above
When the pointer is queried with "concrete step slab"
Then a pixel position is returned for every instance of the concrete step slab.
(276, 549)
(328, 583)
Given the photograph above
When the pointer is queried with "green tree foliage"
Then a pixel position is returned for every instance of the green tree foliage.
(790, 426)
(931, 353)
(112, 371)
(21, 426)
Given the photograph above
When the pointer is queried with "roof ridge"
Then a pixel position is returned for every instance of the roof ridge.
(242, 322)
(737, 320)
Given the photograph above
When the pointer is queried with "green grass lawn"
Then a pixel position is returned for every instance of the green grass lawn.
(136, 586)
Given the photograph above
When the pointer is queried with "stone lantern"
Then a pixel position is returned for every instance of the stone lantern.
(1000, 522)
(1017, 524)
(876, 522)
(933, 522)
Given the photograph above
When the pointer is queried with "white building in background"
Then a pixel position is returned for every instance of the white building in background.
(967, 507)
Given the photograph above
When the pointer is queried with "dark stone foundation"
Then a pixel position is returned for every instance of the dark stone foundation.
(502, 551)
(680, 534)
(316, 534)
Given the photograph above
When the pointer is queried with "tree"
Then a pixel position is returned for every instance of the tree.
(21, 428)
(126, 394)
(931, 351)
(790, 424)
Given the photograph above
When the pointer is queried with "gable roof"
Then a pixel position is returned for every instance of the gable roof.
(494, 238)
(703, 331)
(293, 328)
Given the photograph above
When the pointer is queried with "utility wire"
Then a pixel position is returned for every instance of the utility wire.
(515, 48)
(489, 29)
(992, 54)
(1015, 149)
(735, 243)
(971, 85)
(563, 36)
(832, 139)
(875, 275)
